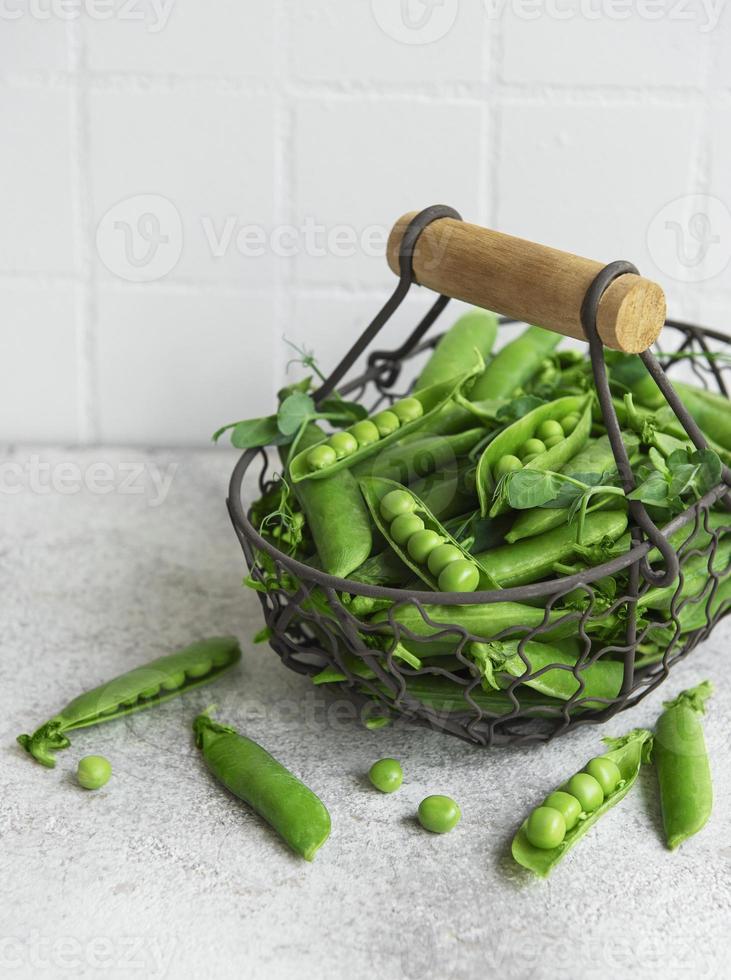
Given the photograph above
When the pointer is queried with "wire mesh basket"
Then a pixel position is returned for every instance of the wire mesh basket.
(316, 620)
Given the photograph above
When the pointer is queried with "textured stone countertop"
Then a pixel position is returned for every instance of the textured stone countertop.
(109, 558)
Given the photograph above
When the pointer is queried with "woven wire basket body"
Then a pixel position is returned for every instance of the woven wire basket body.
(315, 619)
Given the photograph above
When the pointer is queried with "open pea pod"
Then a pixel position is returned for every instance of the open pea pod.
(374, 489)
(430, 401)
(511, 439)
(140, 688)
(628, 754)
(500, 663)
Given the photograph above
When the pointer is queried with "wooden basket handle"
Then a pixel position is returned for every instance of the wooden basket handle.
(530, 282)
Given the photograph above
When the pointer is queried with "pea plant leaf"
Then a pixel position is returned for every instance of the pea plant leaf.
(531, 488)
(253, 433)
(294, 410)
(684, 475)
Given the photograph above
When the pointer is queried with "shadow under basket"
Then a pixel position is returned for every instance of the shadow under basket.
(317, 621)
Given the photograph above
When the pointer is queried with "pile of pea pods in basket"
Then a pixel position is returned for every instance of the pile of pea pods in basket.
(464, 551)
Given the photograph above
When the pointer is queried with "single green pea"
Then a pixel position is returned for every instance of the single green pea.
(439, 814)
(567, 805)
(386, 422)
(606, 772)
(408, 409)
(421, 545)
(150, 692)
(173, 681)
(507, 464)
(386, 775)
(549, 429)
(545, 828)
(554, 441)
(459, 576)
(93, 771)
(404, 526)
(344, 444)
(442, 556)
(569, 423)
(587, 791)
(532, 447)
(199, 669)
(396, 502)
(529, 459)
(320, 457)
(365, 433)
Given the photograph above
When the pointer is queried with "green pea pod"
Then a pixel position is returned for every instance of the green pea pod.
(419, 455)
(432, 401)
(486, 621)
(711, 410)
(445, 696)
(515, 364)
(455, 352)
(509, 441)
(596, 457)
(628, 753)
(534, 558)
(252, 774)
(144, 687)
(683, 770)
(693, 615)
(695, 578)
(336, 515)
(374, 489)
(500, 663)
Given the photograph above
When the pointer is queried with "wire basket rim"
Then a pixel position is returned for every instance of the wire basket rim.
(517, 593)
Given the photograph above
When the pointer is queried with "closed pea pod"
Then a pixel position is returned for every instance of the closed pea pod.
(420, 454)
(683, 770)
(534, 558)
(252, 774)
(501, 662)
(336, 516)
(141, 688)
(455, 352)
(539, 844)
(515, 364)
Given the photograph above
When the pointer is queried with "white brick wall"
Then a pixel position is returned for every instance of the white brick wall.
(183, 183)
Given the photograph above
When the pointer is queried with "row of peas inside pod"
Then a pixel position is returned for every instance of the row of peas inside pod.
(548, 434)
(365, 433)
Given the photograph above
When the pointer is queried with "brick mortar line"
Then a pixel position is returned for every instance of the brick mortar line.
(85, 303)
(467, 90)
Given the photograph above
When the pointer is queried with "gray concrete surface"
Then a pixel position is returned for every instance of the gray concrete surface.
(162, 874)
